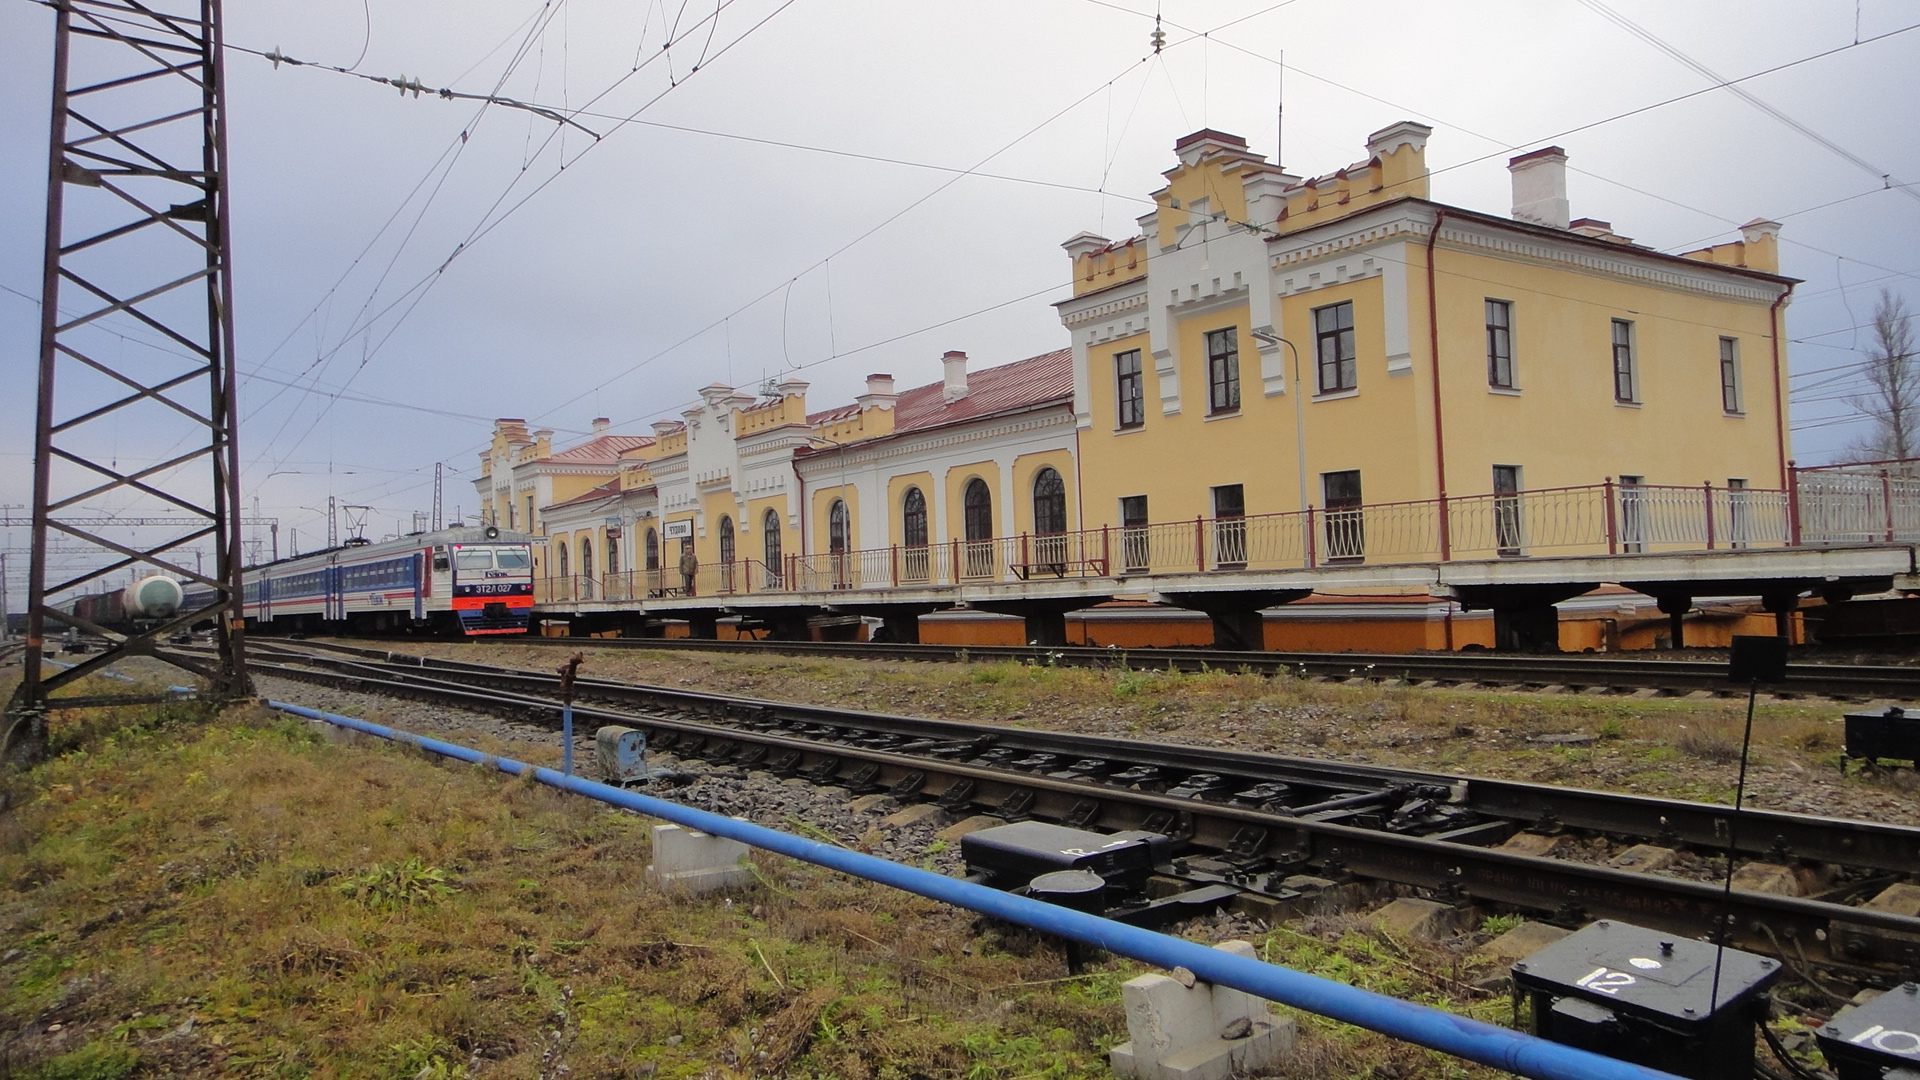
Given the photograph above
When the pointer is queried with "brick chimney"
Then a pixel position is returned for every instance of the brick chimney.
(1540, 187)
(954, 364)
(600, 425)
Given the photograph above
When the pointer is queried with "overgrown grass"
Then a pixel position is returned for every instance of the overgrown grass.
(239, 895)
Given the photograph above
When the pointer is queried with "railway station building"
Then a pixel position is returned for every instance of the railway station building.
(1339, 369)
(1278, 379)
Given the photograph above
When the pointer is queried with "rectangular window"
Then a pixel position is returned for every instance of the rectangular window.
(1229, 526)
(1333, 345)
(1223, 370)
(1346, 522)
(1500, 344)
(1136, 551)
(1730, 375)
(1626, 377)
(1507, 522)
(1129, 389)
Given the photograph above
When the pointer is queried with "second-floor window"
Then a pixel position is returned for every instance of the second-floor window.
(1730, 375)
(1333, 345)
(1626, 374)
(1500, 344)
(1129, 389)
(1223, 370)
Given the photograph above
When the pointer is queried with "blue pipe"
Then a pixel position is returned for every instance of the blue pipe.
(1498, 1047)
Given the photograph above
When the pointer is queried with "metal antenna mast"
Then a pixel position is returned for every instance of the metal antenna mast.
(137, 246)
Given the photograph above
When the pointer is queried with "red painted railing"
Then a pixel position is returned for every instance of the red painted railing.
(1879, 502)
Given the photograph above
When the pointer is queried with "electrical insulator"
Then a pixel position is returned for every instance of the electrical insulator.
(1159, 37)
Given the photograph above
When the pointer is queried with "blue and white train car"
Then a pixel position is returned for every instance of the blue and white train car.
(470, 581)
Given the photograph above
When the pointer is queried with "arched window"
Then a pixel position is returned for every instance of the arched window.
(1049, 522)
(613, 554)
(653, 550)
(770, 545)
(913, 518)
(1049, 503)
(561, 550)
(837, 530)
(586, 568)
(837, 527)
(979, 510)
(726, 552)
(915, 562)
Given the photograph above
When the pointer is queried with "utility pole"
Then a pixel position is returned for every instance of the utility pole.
(333, 527)
(137, 239)
(6, 620)
(438, 518)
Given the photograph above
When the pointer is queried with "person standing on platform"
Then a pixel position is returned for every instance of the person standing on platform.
(689, 567)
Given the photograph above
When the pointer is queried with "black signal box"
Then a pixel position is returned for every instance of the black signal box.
(1891, 733)
(1648, 997)
(1878, 1040)
(1013, 855)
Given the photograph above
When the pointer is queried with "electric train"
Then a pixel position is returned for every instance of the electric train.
(471, 581)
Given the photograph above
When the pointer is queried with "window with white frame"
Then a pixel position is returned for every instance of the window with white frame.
(1500, 345)
(1338, 364)
(1626, 372)
(1730, 376)
(1129, 389)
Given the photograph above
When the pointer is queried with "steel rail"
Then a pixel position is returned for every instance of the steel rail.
(1258, 838)
(1780, 835)
(1824, 680)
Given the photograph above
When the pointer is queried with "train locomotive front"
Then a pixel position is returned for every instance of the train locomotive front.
(492, 587)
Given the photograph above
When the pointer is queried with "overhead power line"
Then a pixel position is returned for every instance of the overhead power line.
(1868, 167)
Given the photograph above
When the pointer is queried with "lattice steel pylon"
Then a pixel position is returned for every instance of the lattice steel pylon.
(136, 323)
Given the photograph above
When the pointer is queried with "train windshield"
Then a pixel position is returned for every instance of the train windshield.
(511, 558)
(473, 559)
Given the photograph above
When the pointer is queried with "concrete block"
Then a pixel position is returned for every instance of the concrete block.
(1523, 941)
(1767, 878)
(1427, 920)
(1198, 1032)
(871, 804)
(1647, 693)
(912, 815)
(1538, 845)
(1644, 859)
(1324, 896)
(964, 826)
(696, 862)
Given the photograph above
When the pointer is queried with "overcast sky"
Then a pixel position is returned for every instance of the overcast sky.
(686, 248)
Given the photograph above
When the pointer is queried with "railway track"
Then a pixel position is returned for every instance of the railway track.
(1275, 835)
(1586, 673)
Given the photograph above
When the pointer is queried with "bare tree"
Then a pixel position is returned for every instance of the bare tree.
(1892, 372)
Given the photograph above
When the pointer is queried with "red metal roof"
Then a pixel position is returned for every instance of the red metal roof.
(1037, 380)
(602, 448)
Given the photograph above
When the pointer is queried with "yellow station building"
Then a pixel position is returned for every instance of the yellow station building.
(1278, 371)
(1342, 345)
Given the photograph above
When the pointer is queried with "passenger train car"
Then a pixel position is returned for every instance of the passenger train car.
(471, 581)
